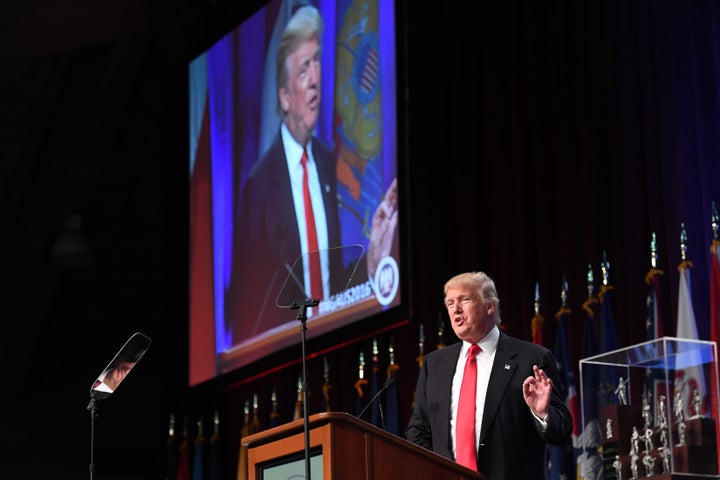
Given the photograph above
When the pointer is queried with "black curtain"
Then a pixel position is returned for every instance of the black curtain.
(544, 136)
(540, 136)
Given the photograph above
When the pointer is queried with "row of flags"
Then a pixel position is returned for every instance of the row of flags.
(197, 459)
(375, 401)
(584, 460)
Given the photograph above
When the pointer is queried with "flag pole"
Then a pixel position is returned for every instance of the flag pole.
(536, 324)
(421, 347)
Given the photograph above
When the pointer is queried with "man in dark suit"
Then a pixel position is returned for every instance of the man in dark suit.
(520, 409)
(271, 229)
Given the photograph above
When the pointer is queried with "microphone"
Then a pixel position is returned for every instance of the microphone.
(390, 381)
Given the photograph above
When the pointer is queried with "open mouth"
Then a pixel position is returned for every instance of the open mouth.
(313, 103)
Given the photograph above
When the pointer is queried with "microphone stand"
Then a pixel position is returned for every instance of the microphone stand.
(92, 407)
(302, 317)
(387, 385)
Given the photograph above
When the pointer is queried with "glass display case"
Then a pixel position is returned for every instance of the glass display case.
(653, 407)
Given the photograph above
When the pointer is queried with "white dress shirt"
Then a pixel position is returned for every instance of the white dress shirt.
(485, 359)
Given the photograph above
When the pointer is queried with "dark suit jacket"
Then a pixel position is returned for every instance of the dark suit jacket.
(512, 445)
(266, 241)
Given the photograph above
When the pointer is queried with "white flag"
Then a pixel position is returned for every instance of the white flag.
(690, 386)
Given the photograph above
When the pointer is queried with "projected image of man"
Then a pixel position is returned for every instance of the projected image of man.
(296, 176)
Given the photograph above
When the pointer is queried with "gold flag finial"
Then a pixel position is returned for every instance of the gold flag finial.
(653, 251)
(200, 428)
(653, 261)
(326, 388)
(564, 310)
(537, 320)
(683, 242)
(588, 305)
(441, 332)
(171, 427)
(421, 340)
(391, 351)
(246, 411)
(326, 370)
(605, 268)
(421, 347)
(361, 366)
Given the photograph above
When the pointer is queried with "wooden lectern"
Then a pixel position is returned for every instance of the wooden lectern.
(349, 449)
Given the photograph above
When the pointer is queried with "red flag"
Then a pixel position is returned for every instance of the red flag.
(715, 291)
(715, 321)
(537, 329)
(183, 469)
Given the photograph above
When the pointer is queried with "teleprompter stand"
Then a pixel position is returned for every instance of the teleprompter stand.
(110, 378)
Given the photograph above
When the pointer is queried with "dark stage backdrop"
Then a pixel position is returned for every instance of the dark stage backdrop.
(539, 136)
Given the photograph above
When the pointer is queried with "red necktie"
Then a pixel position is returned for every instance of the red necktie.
(316, 290)
(465, 421)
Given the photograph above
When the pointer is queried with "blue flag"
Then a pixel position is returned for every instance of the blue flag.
(374, 388)
(326, 388)
(391, 402)
(213, 469)
(360, 396)
(198, 471)
(607, 343)
(173, 448)
(655, 382)
(214, 458)
(274, 418)
(589, 448)
(608, 329)
(561, 457)
(654, 324)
